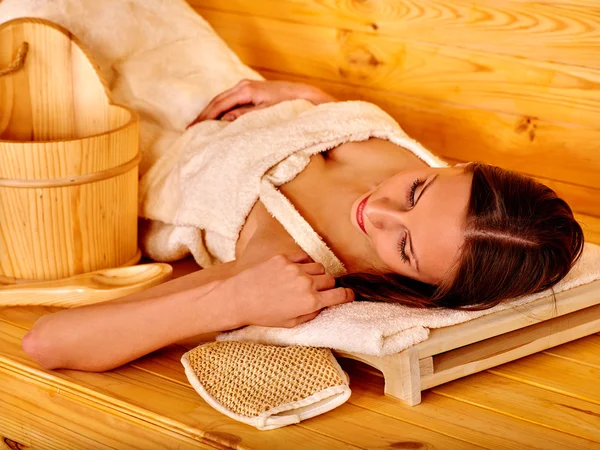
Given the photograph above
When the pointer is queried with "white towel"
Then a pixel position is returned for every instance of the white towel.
(384, 328)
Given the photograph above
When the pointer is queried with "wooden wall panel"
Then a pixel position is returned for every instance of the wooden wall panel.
(560, 31)
(590, 226)
(533, 88)
(514, 83)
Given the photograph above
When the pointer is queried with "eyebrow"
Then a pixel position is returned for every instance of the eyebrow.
(412, 250)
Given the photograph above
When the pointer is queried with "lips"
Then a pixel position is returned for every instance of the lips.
(360, 218)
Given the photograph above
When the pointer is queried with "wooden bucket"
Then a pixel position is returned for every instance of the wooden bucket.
(68, 160)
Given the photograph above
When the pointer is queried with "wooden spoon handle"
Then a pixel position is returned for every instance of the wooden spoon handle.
(87, 288)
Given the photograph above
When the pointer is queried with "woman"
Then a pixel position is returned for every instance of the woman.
(460, 237)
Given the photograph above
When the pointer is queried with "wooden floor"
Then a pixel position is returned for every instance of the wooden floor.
(546, 401)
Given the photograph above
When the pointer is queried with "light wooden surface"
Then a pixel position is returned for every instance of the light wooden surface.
(87, 288)
(68, 161)
(546, 401)
(509, 82)
(538, 311)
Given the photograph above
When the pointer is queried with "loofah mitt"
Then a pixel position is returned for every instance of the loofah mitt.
(266, 386)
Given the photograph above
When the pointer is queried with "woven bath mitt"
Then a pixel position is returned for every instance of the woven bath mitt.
(266, 386)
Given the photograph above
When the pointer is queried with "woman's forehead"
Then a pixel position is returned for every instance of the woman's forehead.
(439, 233)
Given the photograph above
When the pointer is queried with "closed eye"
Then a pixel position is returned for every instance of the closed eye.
(402, 247)
(406, 237)
(413, 189)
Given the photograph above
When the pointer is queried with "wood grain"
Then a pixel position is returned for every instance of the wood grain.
(457, 133)
(557, 31)
(463, 415)
(538, 89)
(86, 289)
(584, 351)
(549, 409)
(590, 226)
(56, 126)
(538, 370)
(453, 418)
(492, 425)
(513, 345)
(173, 407)
(444, 339)
(155, 388)
(42, 416)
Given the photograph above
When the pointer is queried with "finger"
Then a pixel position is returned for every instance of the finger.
(324, 282)
(299, 257)
(215, 107)
(313, 268)
(203, 114)
(238, 96)
(335, 296)
(307, 317)
(237, 112)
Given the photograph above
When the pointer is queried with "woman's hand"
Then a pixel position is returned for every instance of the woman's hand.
(249, 95)
(283, 291)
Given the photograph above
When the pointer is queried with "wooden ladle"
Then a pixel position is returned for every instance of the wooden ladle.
(87, 288)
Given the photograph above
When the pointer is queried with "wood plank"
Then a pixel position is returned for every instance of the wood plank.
(157, 401)
(510, 346)
(444, 339)
(554, 374)
(435, 413)
(492, 428)
(471, 134)
(521, 431)
(590, 226)
(130, 382)
(40, 416)
(368, 429)
(24, 317)
(535, 89)
(583, 351)
(528, 403)
(583, 199)
(554, 31)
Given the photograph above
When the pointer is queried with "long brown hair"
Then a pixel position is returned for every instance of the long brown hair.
(520, 238)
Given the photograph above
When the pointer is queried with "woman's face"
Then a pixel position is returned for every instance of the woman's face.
(415, 220)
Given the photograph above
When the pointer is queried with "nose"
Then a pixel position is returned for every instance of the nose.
(384, 214)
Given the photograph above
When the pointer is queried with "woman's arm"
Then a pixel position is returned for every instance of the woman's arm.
(250, 95)
(101, 337)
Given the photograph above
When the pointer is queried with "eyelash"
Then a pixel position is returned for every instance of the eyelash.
(402, 248)
(411, 201)
(413, 188)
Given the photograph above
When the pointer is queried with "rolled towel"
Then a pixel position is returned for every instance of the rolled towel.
(385, 328)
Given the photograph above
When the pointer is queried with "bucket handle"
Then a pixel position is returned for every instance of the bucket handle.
(19, 60)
